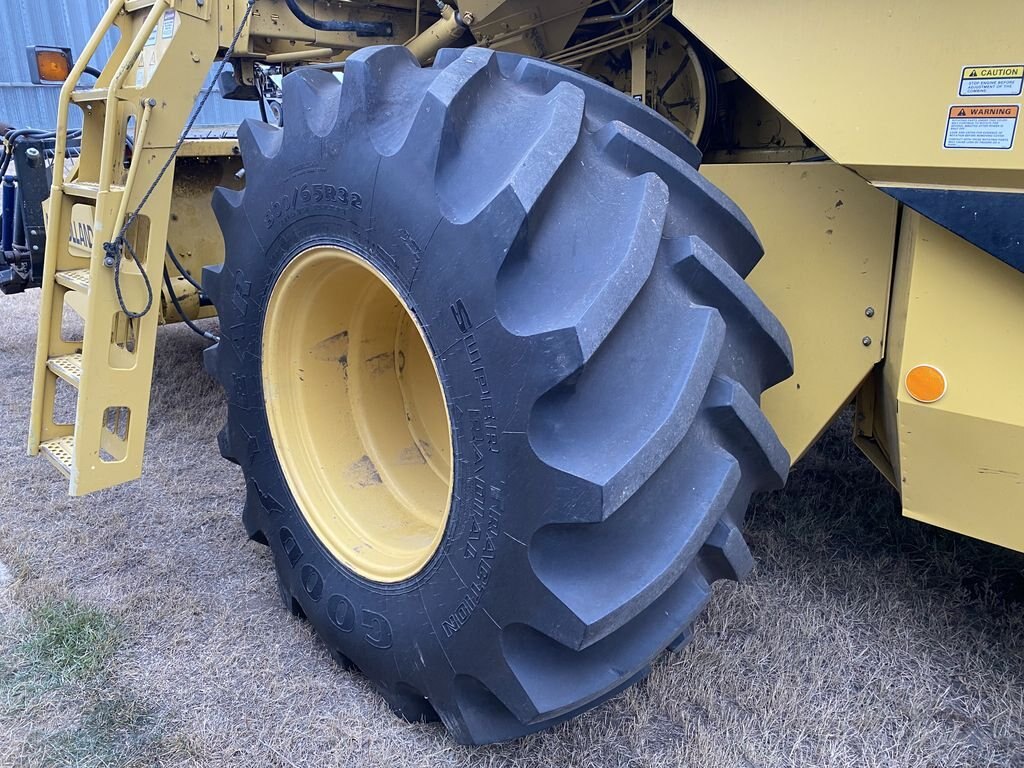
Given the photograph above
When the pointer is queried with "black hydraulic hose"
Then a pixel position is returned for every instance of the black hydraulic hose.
(361, 28)
(615, 16)
(32, 133)
(181, 312)
(19, 218)
(184, 272)
(35, 133)
(262, 100)
(7, 201)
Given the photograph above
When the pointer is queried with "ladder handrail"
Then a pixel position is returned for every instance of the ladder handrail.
(133, 168)
(64, 102)
(116, 82)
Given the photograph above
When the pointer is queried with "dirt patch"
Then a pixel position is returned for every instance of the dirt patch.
(862, 639)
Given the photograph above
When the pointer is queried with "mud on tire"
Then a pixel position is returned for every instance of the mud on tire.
(580, 288)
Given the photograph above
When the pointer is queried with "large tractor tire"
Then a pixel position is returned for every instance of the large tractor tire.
(493, 377)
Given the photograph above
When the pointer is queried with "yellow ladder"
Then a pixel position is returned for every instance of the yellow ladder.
(98, 319)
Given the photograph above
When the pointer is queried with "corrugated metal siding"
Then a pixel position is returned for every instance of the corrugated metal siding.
(49, 22)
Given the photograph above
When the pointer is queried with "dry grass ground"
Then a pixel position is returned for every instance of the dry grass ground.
(140, 627)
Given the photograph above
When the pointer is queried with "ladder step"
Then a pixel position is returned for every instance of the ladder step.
(75, 279)
(68, 367)
(88, 94)
(89, 190)
(131, 6)
(60, 452)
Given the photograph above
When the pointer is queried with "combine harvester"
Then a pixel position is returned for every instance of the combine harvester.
(503, 368)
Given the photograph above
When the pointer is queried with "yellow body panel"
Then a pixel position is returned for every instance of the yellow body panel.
(828, 237)
(871, 83)
(192, 230)
(960, 461)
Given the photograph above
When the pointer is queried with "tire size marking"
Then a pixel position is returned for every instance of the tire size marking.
(414, 249)
(485, 530)
(309, 195)
(483, 425)
(486, 500)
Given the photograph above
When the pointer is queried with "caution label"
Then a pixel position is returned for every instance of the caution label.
(992, 81)
(986, 126)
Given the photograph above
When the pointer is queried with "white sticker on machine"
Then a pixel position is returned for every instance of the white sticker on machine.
(992, 81)
(981, 126)
(169, 25)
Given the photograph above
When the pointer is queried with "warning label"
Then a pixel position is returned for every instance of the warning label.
(168, 25)
(981, 127)
(992, 81)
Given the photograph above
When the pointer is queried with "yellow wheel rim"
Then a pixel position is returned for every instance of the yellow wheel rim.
(357, 414)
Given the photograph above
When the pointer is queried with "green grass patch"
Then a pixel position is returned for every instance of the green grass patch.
(68, 642)
(56, 687)
(59, 644)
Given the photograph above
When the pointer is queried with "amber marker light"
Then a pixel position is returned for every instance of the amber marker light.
(926, 383)
(52, 64)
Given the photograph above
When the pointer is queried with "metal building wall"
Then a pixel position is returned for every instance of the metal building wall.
(50, 22)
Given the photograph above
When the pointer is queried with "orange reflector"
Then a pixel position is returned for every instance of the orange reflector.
(926, 383)
(54, 66)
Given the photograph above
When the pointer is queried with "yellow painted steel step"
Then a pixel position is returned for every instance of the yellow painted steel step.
(88, 94)
(60, 452)
(75, 279)
(68, 367)
(88, 190)
(131, 6)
